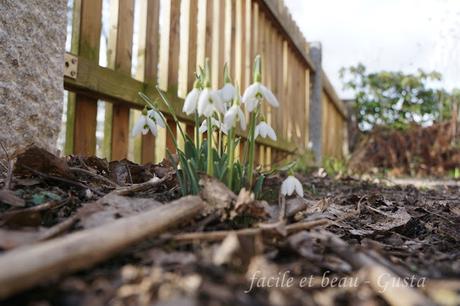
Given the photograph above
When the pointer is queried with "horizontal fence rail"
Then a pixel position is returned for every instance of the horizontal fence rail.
(172, 39)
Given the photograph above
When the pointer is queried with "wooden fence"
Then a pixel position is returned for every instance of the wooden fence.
(173, 39)
(334, 122)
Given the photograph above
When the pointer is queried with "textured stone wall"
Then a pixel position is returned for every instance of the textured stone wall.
(32, 46)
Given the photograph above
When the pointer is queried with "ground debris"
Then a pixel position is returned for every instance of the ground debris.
(238, 251)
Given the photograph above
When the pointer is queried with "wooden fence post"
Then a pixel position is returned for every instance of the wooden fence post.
(316, 103)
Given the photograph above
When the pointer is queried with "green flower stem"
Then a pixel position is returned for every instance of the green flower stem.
(220, 147)
(209, 169)
(231, 156)
(197, 131)
(171, 112)
(252, 146)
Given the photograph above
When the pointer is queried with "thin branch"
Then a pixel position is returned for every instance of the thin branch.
(220, 235)
(95, 175)
(63, 180)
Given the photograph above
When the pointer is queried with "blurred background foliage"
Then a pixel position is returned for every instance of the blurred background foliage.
(397, 99)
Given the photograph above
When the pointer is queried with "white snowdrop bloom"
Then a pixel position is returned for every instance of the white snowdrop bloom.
(291, 184)
(228, 93)
(215, 123)
(255, 93)
(210, 102)
(156, 117)
(143, 125)
(191, 101)
(233, 115)
(264, 130)
(148, 121)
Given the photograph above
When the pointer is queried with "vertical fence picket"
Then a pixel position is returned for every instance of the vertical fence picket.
(214, 20)
(186, 28)
(248, 46)
(193, 36)
(285, 91)
(120, 115)
(188, 51)
(221, 40)
(70, 122)
(174, 40)
(111, 51)
(253, 47)
(255, 30)
(232, 41)
(173, 19)
(238, 61)
(269, 82)
(228, 33)
(307, 107)
(201, 33)
(86, 107)
(152, 37)
(280, 85)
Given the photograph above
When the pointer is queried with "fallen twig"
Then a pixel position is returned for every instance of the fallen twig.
(27, 266)
(63, 180)
(95, 175)
(59, 228)
(155, 181)
(220, 235)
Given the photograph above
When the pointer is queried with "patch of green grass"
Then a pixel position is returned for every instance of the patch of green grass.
(334, 166)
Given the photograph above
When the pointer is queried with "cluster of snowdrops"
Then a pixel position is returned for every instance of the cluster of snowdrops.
(218, 113)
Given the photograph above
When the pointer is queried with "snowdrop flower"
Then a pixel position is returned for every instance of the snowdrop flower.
(210, 102)
(291, 184)
(157, 117)
(227, 93)
(255, 93)
(264, 130)
(191, 101)
(148, 121)
(215, 123)
(234, 114)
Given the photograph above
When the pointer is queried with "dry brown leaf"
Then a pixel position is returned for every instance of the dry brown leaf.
(246, 204)
(40, 160)
(112, 207)
(385, 221)
(220, 199)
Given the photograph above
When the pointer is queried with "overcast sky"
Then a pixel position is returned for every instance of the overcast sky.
(384, 35)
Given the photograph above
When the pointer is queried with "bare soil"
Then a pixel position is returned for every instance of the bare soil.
(412, 233)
